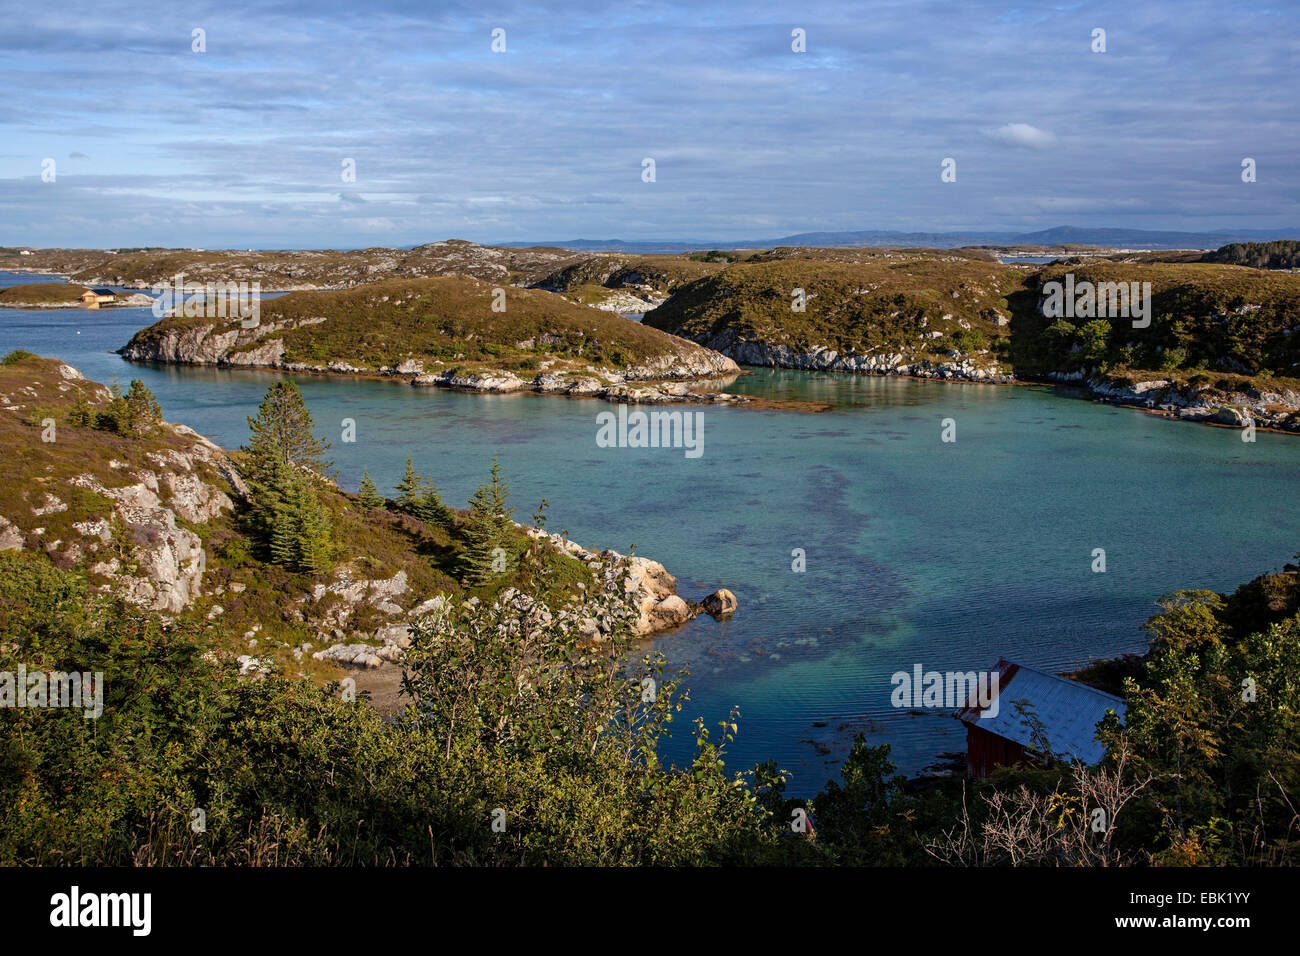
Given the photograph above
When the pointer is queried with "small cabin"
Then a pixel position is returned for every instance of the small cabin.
(94, 298)
(1062, 712)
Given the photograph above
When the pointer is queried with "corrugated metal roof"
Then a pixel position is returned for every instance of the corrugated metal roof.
(1069, 711)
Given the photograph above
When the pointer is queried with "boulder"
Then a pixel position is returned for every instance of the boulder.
(721, 603)
(670, 612)
(351, 655)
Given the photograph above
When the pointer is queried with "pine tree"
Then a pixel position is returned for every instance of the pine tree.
(82, 413)
(141, 410)
(284, 461)
(430, 508)
(488, 531)
(312, 544)
(282, 536)
(283, 429)
(408, 489)
(299, 536)
(270, 509)
(113, 417)
(368, 494)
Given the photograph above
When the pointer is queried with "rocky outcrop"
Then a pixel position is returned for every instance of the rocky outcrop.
(649, 587)
(721, 603)
(125, 509)
(211, 344)
(163, 568)
(1273, 409)
(820, 359)
(648, 583)
(630, 387)
(686, 373)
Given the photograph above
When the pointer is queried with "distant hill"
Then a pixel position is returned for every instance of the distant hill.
(1110, 238)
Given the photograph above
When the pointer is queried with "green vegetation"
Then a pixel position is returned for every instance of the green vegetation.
(1204, 318)
(1223, 326)
(285, 465)
(447, 322)
(541, 748)
(1283, 254)
(276, 520)
(417, 496)
(489, 531)
(513, 708)
(882, 302)
(367, 494)
(512, 752)
(41, 293)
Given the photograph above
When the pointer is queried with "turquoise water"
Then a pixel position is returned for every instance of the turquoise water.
(946, 555)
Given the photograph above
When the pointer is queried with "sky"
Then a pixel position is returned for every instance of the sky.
(116, 131)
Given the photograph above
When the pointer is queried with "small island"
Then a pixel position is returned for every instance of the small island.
(55, 295)
(454, 332)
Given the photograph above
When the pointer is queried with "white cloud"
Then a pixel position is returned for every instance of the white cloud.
(1024, 136)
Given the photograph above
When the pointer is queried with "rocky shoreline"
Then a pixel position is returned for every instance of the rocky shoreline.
(134, 301)
(824, 359)
(165, 491)
(648, 585)
(1270, 410)
(693, 376)
(1264, 409)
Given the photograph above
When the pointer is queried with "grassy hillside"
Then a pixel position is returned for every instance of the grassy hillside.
(1223, 327)
(1205, 319)
(296, 268)
(77, 501)
(446, 321)
(855, 300)
(41, 293)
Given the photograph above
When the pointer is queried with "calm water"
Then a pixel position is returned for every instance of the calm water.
(947, 555)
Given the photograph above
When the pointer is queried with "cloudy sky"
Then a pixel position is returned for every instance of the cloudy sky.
(244, 145)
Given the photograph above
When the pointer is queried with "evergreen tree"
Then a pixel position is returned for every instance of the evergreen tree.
(368, 494)
(82, 414)
(408, 489)
(283, 429)
(142, 412)
(430, 508)
(312, 544)
(282, 534)
(113, 417)
(299, 537)
(489, 531)
(268, 518)
(284, 460)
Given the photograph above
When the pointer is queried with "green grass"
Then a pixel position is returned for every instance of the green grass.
(41, 293)
(1205, 318)
(445, 321)
(881, 301)
(371, 544)
(1237, 324)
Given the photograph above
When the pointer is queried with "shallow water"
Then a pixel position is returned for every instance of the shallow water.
(946, 555)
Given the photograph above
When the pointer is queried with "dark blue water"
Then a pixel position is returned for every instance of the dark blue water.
(947, 555)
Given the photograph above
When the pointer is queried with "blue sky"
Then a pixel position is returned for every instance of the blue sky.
(243, 145)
